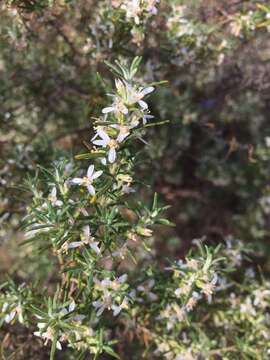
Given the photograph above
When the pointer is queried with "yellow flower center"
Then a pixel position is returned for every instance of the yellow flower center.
(112, 143)
(86, 181)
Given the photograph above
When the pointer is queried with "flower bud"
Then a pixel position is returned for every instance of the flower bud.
(144, 231)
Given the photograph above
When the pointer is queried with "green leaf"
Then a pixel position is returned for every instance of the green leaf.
(112, 67)
(53, 348)
(154, 206)
(165, 222)
(93, 155)
(111, 352)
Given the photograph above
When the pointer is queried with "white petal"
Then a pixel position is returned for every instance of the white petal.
(58, 203)
(79, 317)
(103, 135)
(10, 317)
(116, 310)
(100, 311)
(148, 90)
(91, 189)
(107, 110)
(97, 304)
(124, 110)
(121, 136)
(134, 123)
(53, 192)
(76, 181)
(94, 137)
(90, 171)
(72, 306)
(152, 296)
(75, 244)
(112, 155)
(97, 174)
(86, 231)
(94, 246)
(103, 161)
(100, 143)
(143, 104)
(122, 278)
(41, 325)
(146, 117)
(64, 312)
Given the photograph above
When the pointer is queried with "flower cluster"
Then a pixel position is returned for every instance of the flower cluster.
(134, 9)
(106, 298)
(194, 279)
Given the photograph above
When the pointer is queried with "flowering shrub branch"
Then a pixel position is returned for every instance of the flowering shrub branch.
(98, 238)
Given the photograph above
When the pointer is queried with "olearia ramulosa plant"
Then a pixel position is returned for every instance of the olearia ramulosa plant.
(86, 221)
(108, 290)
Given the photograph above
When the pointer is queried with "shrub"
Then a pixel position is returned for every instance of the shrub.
(99, 247)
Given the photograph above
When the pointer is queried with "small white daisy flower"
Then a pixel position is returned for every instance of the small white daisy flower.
(88, 179)
(137, 96)
(117, 107)
(86, 239)
(106, 141)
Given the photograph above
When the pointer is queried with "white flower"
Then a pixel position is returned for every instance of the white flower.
(88, 180)
(173, 314)
(146, 290)
(105, 303)
(208, 287)
(86, 239)
(47, 335)
(133, 10)
(106, 141)
(53, 198)
(108, 287)
(106, 283)
(261, 297)
(192, 301)
(115, 284)
(11, 315)
(248, 308)
(118, 107)
(137, 96)
(117, 308)
(124, 131)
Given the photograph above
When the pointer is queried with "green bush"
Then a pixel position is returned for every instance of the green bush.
(135, 154)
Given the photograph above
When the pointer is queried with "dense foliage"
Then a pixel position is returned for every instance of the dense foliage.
(134, 191)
